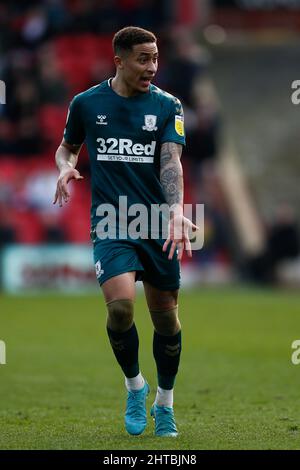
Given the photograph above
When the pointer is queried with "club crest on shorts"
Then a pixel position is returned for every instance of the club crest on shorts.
(98, 269)
(150, 123)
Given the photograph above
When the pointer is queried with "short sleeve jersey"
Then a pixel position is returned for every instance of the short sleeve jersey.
(124, 138)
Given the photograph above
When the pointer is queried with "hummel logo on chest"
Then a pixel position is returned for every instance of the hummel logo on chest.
(101, 120)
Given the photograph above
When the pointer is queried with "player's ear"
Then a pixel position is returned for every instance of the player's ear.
(118, 62)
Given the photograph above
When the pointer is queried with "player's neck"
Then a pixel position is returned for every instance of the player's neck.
(121, 88)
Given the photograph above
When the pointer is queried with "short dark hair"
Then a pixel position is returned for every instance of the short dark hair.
(127, 37)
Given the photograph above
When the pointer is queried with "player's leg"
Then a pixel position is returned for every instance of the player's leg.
(116, 266)
(119, 293)
(166, 350)
(167, 337)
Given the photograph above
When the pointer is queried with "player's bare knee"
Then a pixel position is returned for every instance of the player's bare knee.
(166, 322)
(120, 315)
(163, 300)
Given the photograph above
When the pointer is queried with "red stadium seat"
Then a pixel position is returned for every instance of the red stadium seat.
(52, 121)
(8, 168)
(28, 227)
(76, 225)
(76, 56)
(80, 45)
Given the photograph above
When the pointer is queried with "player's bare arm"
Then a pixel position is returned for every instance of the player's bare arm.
(171, 174)
(171, 178)
(66, 158)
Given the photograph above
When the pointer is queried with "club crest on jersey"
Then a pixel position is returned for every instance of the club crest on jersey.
(101, 120)
(150, 123)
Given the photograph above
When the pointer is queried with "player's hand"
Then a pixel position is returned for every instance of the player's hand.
(62, 193)
(179, 227)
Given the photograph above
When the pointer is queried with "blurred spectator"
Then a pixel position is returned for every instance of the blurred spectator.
(283, 243)
(18, 68)
(53, 232)
(22, 95)
(7, 137)
(39, 189)
(28, 139)
(58, 16)
(82, 15)
(7, 234)
(52, 87)
(185, 74)
(204, 134)
(26, 99)
(185, 64)
(6, 34)
(93, 16)
(35, 26)
(149, 14)
(283, 238)
(107, 16)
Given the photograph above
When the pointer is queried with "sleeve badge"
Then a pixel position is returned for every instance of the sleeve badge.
(179, 125)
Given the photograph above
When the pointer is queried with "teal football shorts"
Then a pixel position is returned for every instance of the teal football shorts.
(114, 257)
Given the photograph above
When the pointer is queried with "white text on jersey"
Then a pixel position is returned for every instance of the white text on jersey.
(113, 149)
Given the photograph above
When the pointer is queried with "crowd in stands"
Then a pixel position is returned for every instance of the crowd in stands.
(53, 49)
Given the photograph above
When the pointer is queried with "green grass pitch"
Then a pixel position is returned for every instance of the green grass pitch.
(237, 388)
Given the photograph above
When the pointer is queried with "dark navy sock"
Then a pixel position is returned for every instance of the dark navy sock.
(125, 347)
(166, 351)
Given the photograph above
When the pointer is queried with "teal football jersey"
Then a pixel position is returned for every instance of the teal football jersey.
(124, 138)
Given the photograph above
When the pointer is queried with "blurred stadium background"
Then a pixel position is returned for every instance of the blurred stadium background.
(232, 63)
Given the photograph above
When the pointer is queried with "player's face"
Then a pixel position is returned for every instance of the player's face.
(140, 67)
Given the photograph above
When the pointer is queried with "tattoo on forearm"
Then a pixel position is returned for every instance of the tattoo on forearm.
(171, 177)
